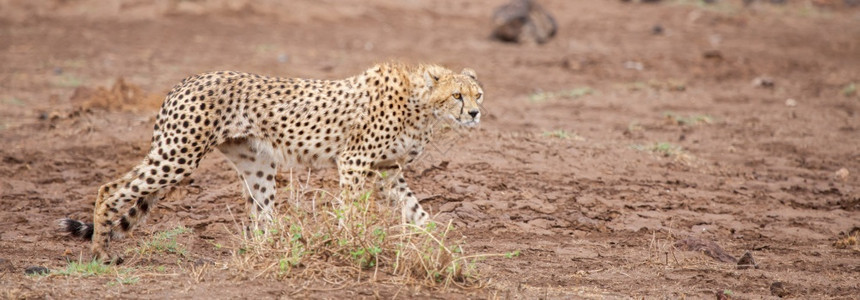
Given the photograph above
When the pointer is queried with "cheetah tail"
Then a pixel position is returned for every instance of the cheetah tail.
(77, 228)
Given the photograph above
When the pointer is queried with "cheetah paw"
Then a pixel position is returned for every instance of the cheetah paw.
(418, 217)
(108, 259)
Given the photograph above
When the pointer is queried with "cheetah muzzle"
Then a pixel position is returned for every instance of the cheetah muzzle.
(379, 120)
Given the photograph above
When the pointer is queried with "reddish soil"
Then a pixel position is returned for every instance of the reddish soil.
(589, 186)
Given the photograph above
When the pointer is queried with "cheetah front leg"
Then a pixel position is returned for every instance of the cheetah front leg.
(353, 169)
(393, 186)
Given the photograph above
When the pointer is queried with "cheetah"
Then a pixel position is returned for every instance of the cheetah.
(377, 121)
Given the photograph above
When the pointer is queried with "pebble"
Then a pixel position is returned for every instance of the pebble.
(712, 54)
(763, 81)
(790, 102)
(747, 262)
(36, 270)
(203, 261)
(842, 174)
(778, 289)
(634, 65)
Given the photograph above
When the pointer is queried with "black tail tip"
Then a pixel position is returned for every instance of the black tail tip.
(77, 228)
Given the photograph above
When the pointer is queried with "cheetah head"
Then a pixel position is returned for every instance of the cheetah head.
(454, 96)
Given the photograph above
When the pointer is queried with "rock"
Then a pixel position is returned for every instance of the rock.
(469, 212)
(763, 82)
(536, 205)
(790, 102)
(523, 21)
(657, 29)
(842, 174)
(541, 223)
(778, 289)
(36, 270)
(709, 248)
(747, 261)
(713, 54)
(449, 206)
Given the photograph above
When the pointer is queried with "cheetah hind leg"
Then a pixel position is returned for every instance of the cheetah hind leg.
(134, 216)
(256, 166)
(139, 187)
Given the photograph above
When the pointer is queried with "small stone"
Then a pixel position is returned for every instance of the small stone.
(747, 261)
(634, 65)
(449, 206)
(203, 261)
(657, 29)
(790, 102)
(712, 54)
(707, 247)
(283, 57)
(842, 174)
(778, 289)
(36, 270)
(763, 82)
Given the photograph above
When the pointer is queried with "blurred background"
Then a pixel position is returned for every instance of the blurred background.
(615, 130)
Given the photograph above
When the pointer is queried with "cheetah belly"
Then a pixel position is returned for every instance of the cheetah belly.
(292, 156)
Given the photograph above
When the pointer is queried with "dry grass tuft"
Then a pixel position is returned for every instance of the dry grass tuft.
(664, 253)
(314, 238)
(121, 96)
(849, 241)
(669, 150)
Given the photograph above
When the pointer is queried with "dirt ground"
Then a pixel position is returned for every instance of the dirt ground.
(606, 155)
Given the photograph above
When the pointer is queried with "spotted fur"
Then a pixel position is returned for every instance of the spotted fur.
(377, 121)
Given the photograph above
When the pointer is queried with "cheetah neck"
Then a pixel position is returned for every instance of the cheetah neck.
(417, 94)
(420, 102)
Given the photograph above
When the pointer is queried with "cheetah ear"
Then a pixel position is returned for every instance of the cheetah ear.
(471, 73)
(430, 79)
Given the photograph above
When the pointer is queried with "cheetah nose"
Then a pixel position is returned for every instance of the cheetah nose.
(474, 113)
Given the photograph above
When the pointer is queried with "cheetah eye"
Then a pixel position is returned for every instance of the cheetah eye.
(478, 96)
(457, 96)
